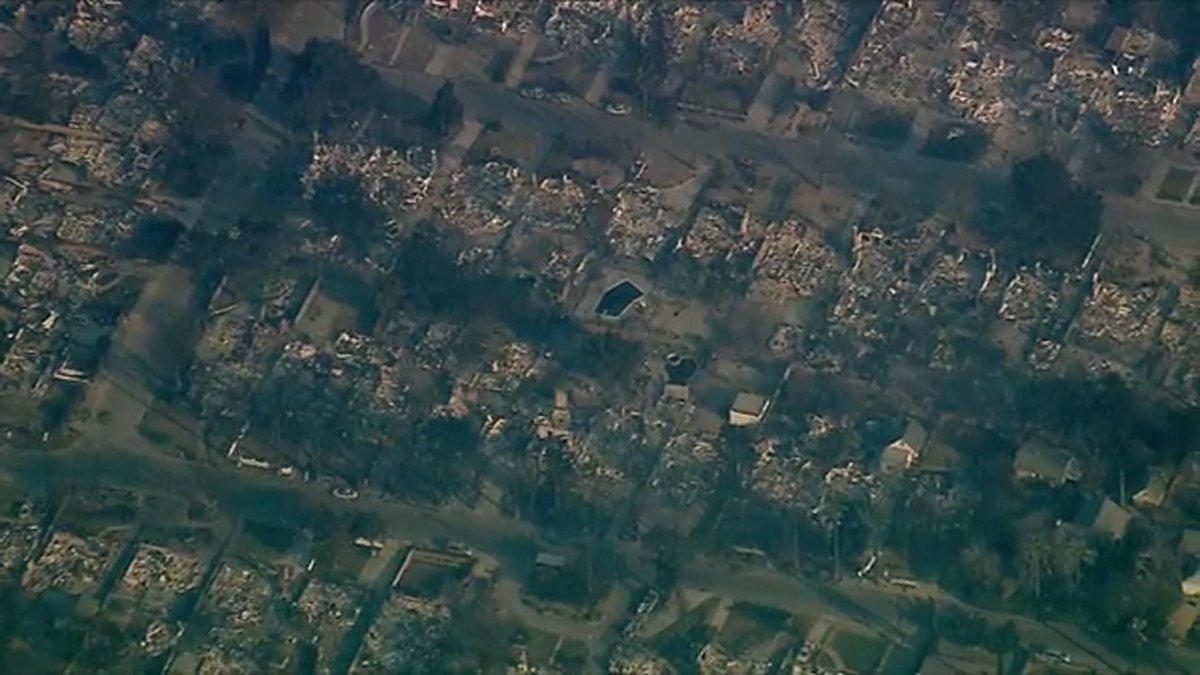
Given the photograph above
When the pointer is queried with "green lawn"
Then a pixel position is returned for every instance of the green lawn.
(692, 617)
(541, 646)
(859, 653)
(801, 624)
(748, 626)
(572, 656)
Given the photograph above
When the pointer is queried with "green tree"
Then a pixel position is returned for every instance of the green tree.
(445, 113)
(1049, 214)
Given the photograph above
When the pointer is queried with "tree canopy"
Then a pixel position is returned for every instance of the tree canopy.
(1050, 214)
(445, 113)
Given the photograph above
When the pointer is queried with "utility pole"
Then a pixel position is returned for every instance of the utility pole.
(795, 541)
(837, 560)
(589, 566)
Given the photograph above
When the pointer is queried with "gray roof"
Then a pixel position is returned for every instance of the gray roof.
(1190, 544)
(749, 404)
(915, 435)
(1040, 459)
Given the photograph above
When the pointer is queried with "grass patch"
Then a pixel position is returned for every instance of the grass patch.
(572, 656)
(541, 646)
(859, 653)
(900, 661)
(748, 626)
(340, 560)
(159, 438)
(19, 411)
(693, 617)
(275, 538)
(801, 624)
(824, 661)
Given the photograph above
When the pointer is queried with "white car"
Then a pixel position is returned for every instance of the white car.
(345, 494)
(617, 109)
(806, 653)
(1057, 655)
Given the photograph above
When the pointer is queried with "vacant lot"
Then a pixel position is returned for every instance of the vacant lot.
(1176, 184)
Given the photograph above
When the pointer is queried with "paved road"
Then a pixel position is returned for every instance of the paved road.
(249, 494)
(818, 157)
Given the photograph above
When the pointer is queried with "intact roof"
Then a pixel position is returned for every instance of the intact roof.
(749, 404)
(915, 435)
(1041, 458)
(550, 560)
(1105, 515)
(1180, 623)
(1190, 543)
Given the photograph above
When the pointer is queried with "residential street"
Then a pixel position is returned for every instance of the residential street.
(259, 495)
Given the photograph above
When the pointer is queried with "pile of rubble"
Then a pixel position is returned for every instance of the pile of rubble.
(16, 542)
(557, 203)
(404, 638)
(1178, 333)
(154, 568)
(327, 605)
(228, 657)
(562, 265)
(443, 9)
(950, 280)
(69, 563)
(102, 143)
(515, 363)
(685, 29)
(822, 39)
(687, 469)
(241, 595)
(505, 16)
(1055, 39)
(1043, 354)
(372, 370)
(584, 25)
(977, 88)
(627, 661)
(787, 341)
(876, 285)
(481, 199)
(152, 70)
(1120, 314)
(640, 222)
(394, 180)
(794, 262)
(97, 26)
(1030, 296)
(435, 346)
(1143, 110)
(595, 461)
(743, 48)
(226, 337)
(781, 475)
(883, 64)
(721, 232)
(161, 634)
(1134, 105)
